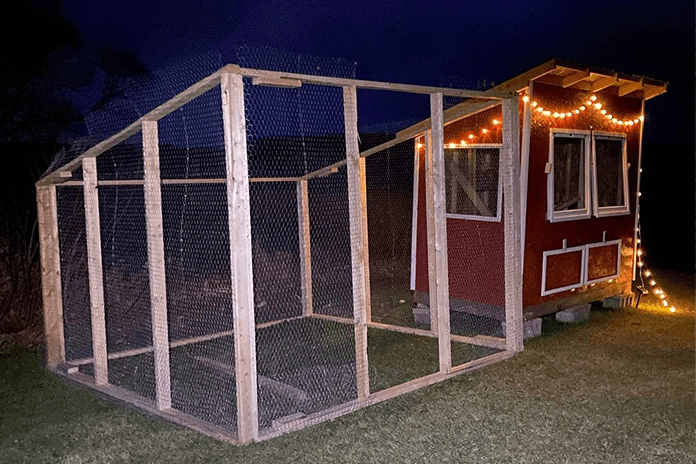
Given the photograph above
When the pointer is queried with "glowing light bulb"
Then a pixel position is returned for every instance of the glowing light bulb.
(547, 113)
(569, 114)
(636, 121)
(638, 240)
(485, 131)
(525, 98)
(419, 145)
(603, 111)
(496, 122)
(471, 136)
(640, 252)
(652, 283)
(582, 108)
(620, 123)
(588, 102)
(540, 109)
(576, 111)
(534, 104)
(640, 194)
(562, 115)
(664, 303)
(640, 263)
(598, 105)
(641, 117)
(630, 123)
(593, 98)
(672, 309)
(555, 114)
(462, 142)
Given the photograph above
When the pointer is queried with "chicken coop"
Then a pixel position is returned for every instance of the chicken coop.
(237, 260)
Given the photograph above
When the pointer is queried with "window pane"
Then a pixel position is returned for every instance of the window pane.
(609, 158)
(568, 173)
(471, 181)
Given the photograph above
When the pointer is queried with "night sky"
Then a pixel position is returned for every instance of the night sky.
(421, 42)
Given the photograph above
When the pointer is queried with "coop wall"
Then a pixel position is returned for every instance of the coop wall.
(237, 261)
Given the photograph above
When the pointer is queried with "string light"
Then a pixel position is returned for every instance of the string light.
(645, 273)
(591, 103)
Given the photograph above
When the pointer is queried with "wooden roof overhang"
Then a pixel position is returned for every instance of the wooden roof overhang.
(558, 72)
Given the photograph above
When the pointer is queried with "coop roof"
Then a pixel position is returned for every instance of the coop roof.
(560, 73)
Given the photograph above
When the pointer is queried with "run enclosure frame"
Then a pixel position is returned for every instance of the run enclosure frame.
(230, 79)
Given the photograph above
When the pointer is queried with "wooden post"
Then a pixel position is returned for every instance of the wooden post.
(524, 169)
(357, 203)
(94, 268)
(414, 213)
(239, 218)
(437, 232)
(47, 207)
(510, 169)
(155, 253)
(305, 247)
(430, 229)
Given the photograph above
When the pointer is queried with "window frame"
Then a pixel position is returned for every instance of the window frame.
(559, 216)
(560, 251)
(606, 211)
(586, 270)
(499, 202)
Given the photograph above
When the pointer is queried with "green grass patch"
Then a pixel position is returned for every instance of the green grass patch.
(618, 388)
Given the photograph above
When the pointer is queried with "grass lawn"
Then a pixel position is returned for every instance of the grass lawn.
(618, 388)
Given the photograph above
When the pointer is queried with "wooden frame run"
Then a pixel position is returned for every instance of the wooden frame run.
(236, 180)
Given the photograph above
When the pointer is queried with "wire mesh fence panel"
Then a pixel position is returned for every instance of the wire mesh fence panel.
(330, 238)
(475, 236)
(77, 321)
(126, 286)
(199, 301)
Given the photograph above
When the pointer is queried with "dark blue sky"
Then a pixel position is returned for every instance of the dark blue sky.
(430, 42)
(421, 42)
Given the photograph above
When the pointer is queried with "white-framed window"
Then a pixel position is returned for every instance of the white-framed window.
(568, 182)
(610, 174)
(572, 193)
(603, 261)
(472, 182)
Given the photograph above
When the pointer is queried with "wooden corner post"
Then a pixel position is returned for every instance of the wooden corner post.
(510, 169)
(357, 204)
(239, 218)
(438, 277)
(94, 268)
(47, 207)
(155, 252)
(305, 247)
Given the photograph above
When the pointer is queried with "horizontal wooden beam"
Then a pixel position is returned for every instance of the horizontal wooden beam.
(277, 82)
(629, 87)
(373, 85)
(574, 78)
(604, 82)
(78, 183)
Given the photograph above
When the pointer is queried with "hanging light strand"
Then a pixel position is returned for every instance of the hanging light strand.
(647, 278)
(592, 104)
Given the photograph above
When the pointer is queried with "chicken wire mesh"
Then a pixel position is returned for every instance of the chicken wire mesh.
(309, 346)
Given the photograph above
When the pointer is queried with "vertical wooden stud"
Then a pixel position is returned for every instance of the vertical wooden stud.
(430, 230)
(47, 207)
(414, 213)
(239, 218)
(305, 247)
(155, 251)
(510, 169)
(94, 268)
(357, 200)
(437, 261)
(524, 169)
